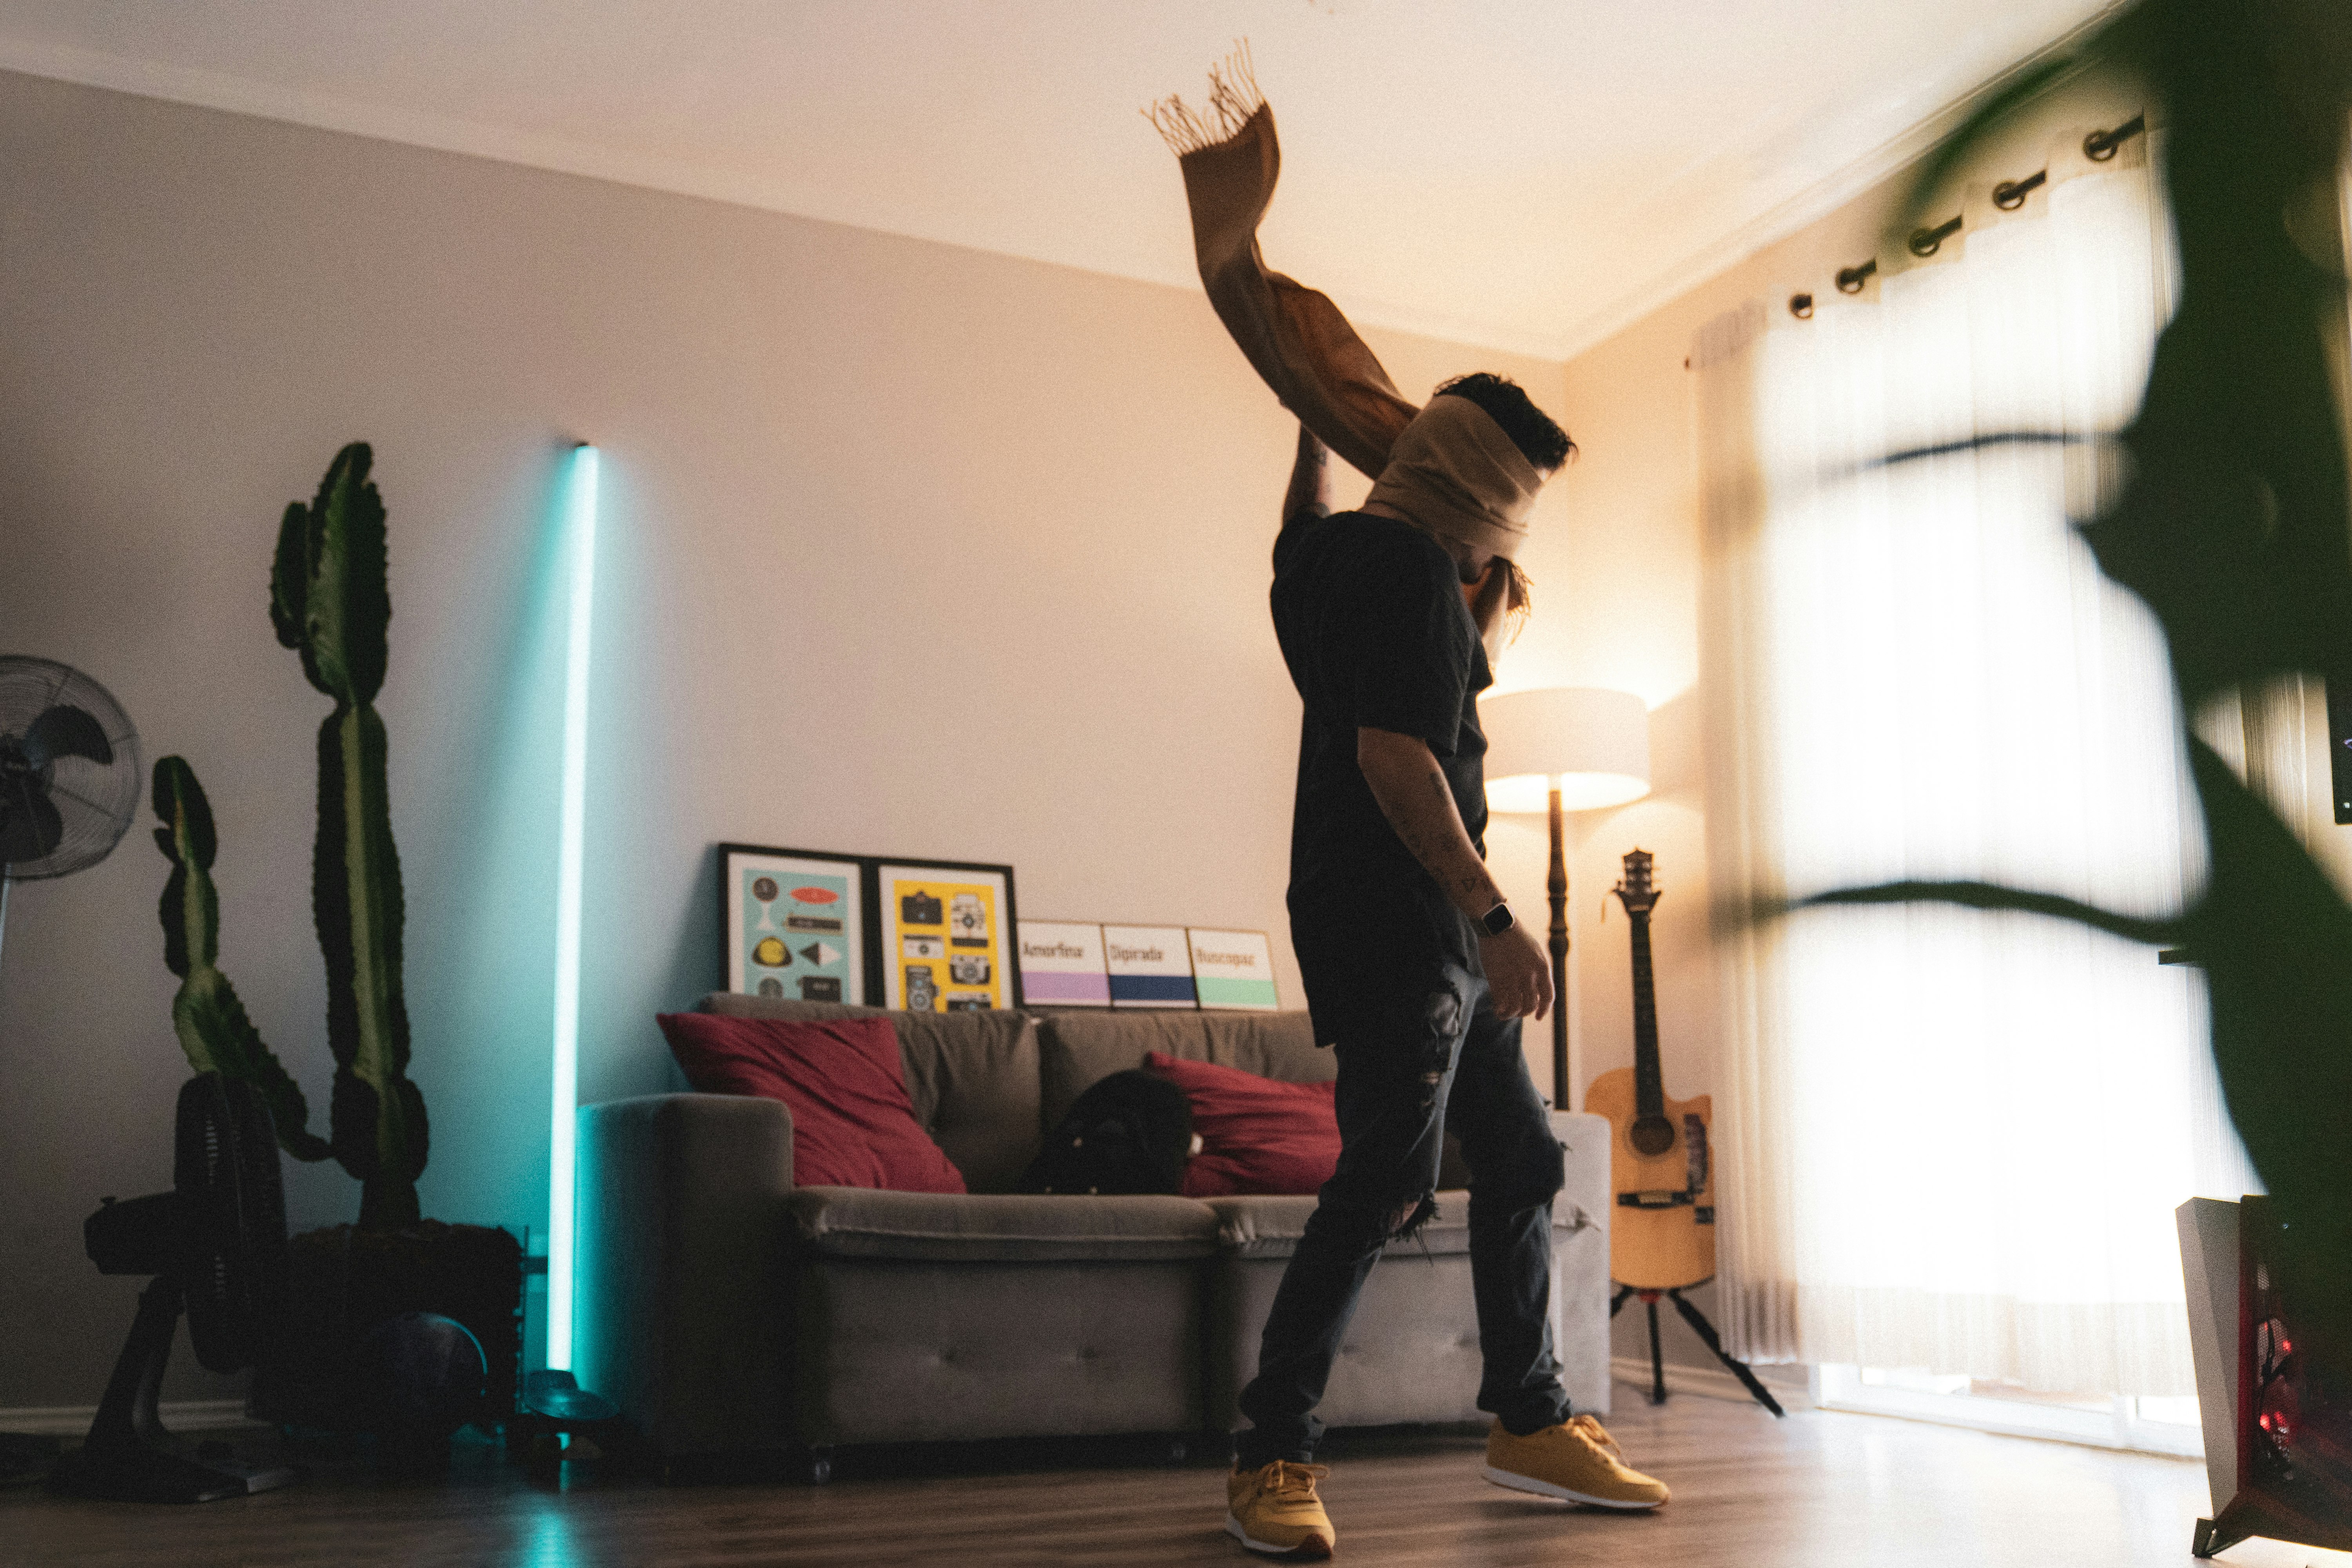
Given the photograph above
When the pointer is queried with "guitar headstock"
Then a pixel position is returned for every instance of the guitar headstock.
(1636, 892)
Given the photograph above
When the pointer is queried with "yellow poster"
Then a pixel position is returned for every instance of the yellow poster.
(944, 945)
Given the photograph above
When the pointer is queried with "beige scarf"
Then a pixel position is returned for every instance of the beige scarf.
(1448, 468)
(1454, 473)
(1292, 335)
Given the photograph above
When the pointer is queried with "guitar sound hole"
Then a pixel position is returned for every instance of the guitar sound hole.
(1651, 1136)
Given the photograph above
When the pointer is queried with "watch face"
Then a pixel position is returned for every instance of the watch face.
(1498, 919)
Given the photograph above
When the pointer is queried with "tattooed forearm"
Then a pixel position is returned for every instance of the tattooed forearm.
(1310, 494)
(1413, 794)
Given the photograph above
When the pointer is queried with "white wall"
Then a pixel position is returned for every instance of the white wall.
(907, 548)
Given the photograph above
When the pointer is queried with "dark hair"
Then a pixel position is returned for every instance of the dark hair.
(1541, 442)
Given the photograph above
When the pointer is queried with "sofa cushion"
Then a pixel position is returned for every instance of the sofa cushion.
(971, 1077)
(858, 1222)
(852, 1125)
(1077, 1049)
(1257, 1134)
(1271, 1226)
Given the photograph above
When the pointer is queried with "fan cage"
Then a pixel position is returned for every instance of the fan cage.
(96, 800)
(227, 1177)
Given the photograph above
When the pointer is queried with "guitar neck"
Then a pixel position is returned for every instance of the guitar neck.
(1649, 1079)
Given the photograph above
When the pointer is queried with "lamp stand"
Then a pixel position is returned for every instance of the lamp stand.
(1558, 887)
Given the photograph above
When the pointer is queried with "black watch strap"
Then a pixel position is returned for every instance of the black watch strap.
(1497, 920)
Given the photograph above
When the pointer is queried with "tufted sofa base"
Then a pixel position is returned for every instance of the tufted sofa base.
(908, 1352)
(731, 1314)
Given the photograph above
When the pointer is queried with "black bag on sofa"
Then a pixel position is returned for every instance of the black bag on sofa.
(1132, 1132)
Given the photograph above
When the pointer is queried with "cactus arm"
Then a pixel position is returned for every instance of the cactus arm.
(329, 599)
(348, 610)
(290, 577)
(210, 1021)
(219, 1037)
(379, 1117)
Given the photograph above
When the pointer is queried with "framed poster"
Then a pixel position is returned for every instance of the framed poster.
(1062, 964)
(946, 935)
(793, 923)
(1233, 969)
(1150, 966)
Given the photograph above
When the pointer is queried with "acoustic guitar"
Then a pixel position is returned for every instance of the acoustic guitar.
(1662, 1235)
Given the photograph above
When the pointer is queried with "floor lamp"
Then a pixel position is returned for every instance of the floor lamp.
(1557, 749)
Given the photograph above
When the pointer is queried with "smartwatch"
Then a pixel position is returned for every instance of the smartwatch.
(1497, 920)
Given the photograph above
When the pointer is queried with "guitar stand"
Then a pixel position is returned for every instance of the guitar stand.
(1699, 1326)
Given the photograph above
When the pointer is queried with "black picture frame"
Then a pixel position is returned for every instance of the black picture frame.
(1002, 937)
(811, 969)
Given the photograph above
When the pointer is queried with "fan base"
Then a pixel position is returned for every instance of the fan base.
(143, 1474)
(128, 1455)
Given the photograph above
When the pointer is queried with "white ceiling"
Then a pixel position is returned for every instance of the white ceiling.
(1524, 174)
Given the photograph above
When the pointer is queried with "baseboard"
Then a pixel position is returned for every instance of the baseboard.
(1705, 1381)
(73, 1420)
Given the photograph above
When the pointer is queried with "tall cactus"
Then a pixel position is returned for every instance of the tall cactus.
(207, 1014)
(328, 599)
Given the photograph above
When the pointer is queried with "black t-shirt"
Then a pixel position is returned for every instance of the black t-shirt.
(1372, 624)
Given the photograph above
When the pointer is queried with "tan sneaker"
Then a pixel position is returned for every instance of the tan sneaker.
(1275, 1509)
(1576, 1461)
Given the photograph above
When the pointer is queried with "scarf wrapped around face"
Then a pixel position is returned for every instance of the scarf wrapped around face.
(1454, 472)
(1448, 468)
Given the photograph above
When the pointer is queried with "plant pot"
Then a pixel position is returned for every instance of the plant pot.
(344, 1283)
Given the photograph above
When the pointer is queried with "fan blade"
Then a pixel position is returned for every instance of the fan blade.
(29, 826)
(66, 730)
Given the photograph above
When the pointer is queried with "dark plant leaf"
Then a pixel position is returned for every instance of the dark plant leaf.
(2232, 524)
(1988, 896)
(2275, 941)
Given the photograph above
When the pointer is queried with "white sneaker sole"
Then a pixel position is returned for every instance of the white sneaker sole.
(1312, 1550)
(1520, 1483)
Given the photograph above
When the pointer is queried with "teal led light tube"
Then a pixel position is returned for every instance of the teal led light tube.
(580, 535)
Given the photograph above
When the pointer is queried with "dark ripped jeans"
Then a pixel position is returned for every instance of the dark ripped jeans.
(1456, 1065)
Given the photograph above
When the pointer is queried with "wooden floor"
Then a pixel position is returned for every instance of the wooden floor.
(1818, 1489)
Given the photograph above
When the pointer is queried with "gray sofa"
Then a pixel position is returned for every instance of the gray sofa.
(731, 1313)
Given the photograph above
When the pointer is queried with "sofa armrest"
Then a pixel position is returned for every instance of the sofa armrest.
(681, 1303)
(1584, 1198)
(1580, 1260)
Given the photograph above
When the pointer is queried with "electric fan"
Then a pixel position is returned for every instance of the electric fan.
(216, 1246)
(70, 774)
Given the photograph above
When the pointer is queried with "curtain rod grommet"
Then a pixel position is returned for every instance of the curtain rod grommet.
(2010, 194)
(2101, 145)
(1851, 280)
(1925, 242)
(1801, 307)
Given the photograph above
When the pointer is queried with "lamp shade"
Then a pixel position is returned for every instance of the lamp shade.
(1595, 743)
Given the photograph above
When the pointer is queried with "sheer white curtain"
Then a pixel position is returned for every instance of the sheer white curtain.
(1952, 1140)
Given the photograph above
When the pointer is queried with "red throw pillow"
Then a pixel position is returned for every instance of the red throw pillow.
(1258, 1135)
(852, 1125)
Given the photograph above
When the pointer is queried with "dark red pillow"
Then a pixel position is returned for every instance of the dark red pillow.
(1257, 1134)
(852, 1125)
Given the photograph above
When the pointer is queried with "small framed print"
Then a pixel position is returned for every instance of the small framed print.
(1233, 969)
(793, 923)
(946, 936)
(1062, 964)
(1150, 966)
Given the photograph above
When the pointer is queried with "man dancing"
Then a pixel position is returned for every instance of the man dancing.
(1416, 974)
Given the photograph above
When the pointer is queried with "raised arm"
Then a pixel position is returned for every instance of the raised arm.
(1414, 796)
(1310, 494)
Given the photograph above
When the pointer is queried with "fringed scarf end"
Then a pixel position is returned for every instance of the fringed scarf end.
(1234, 97)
